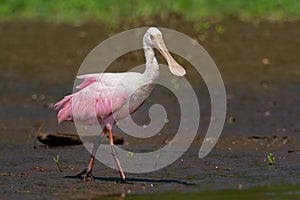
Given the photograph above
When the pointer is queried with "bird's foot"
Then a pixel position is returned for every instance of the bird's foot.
(123, 181)
(85, 175)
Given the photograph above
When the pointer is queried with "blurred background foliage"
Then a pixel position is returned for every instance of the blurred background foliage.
(113, 10)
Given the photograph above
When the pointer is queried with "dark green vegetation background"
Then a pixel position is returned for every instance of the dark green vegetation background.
(113, 10)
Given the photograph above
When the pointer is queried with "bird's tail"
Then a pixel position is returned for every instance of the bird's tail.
(65, 109)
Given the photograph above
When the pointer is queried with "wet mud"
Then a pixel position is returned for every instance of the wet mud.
(259, 64)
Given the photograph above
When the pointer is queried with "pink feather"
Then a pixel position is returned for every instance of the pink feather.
(86, 83)
(65, 109)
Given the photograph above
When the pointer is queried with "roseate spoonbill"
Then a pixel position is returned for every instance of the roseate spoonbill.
(108, 95)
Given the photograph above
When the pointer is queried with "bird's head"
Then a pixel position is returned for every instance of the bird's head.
(154, 39)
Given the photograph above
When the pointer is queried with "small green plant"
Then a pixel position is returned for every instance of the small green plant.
(271, 159)
(231, 120)
(130, 154)
(202, 26)
(219, 29)
(56, 160)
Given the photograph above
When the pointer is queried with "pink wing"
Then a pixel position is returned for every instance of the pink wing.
(94, 100)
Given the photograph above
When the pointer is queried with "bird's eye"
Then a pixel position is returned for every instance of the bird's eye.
(151, 37)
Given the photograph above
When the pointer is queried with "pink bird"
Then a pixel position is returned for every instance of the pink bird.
(107, 95)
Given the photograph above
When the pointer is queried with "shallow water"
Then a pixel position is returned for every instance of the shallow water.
(40, 60)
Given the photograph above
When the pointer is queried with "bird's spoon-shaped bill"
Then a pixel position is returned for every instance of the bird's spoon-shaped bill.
(174, 67)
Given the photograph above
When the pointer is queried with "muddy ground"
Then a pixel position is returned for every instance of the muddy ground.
(259, 64)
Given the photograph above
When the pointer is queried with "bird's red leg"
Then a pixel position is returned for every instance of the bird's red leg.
(115, 155)
(86, 174)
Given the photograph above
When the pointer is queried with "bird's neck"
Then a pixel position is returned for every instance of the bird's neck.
(152, 67)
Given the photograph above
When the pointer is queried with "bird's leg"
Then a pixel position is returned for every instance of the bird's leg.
(115, 155)
(86, 174)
